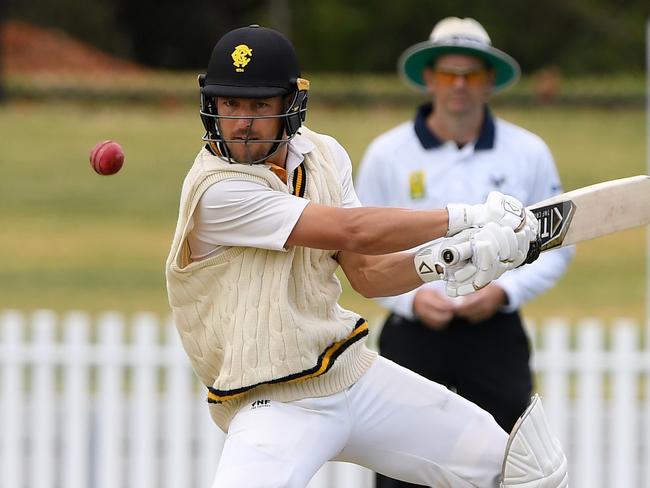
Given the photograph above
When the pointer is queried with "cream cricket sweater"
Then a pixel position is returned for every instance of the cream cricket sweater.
(264, 323)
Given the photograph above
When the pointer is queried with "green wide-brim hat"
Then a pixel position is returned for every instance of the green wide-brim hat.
(457, 36)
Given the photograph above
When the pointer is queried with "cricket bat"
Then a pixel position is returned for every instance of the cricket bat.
(582, 214)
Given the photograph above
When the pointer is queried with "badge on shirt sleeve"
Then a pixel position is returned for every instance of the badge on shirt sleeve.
(417, 185)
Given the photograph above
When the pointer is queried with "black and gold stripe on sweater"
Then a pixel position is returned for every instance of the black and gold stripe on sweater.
(299, 181)
(325, 362)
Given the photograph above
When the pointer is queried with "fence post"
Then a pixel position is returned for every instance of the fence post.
(143, 414)
(11, 419)
(178, 400)
(110, 401)
(76, 398)
(556, 366)
(623, 435)
(42, 414)
(588, 445)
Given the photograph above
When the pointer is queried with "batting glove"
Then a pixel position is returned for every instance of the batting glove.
(499, 208)
(481, 256)
(428, 261)
(528, 237)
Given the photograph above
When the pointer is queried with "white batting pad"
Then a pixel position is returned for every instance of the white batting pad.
(534, 457)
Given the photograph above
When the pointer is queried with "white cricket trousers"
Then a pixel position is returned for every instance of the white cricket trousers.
(392, 421)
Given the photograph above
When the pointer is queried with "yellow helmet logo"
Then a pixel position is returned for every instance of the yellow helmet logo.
(241, 56)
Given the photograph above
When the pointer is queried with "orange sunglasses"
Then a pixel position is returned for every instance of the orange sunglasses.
(472, 77)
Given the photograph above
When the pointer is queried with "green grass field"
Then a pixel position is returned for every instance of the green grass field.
(72, 239)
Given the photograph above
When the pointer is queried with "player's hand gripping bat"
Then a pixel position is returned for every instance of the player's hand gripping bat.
(580, 215)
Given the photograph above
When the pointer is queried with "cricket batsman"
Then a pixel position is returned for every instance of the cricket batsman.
(267, 214)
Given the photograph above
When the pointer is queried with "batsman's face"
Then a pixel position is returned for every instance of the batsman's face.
(250, 127)
(459, 84)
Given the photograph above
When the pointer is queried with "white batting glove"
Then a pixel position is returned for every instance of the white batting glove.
(428, 264)
(428, 260)
(499, 208)
(481, 255)
(526, 236)
(492, 251)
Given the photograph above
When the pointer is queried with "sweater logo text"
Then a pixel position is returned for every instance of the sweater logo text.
(260, 404)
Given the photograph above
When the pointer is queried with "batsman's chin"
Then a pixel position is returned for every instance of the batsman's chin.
(247, 154)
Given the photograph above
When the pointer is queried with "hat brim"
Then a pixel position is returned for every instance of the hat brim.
(215, 90)
(414, 60)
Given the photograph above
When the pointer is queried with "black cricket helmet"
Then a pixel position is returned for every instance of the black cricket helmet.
(253, 62)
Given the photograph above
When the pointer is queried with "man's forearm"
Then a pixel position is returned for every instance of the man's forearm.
(380, 276)
(388, 230)
(367, 230)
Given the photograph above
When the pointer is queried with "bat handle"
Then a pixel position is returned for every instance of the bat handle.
(534, 250)
(455, 254)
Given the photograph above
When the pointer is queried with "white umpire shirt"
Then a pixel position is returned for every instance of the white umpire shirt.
(409, 167)
(238, 212)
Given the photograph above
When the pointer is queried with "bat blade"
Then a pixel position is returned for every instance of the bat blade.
(593, 211)
(583, 214)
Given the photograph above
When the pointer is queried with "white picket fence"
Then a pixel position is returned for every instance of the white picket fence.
(111, 402)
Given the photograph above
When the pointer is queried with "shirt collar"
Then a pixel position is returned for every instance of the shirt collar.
(430, 141)
(298, 147)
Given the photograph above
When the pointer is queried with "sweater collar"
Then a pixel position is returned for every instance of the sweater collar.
(431, 141)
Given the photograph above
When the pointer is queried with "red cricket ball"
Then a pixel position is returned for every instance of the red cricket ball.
(107, 157)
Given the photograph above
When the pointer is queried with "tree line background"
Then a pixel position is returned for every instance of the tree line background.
(354, 36)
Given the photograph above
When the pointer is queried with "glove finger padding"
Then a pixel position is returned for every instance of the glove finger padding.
(495, 250)
(504, 238)
(523, 243)
(485, 251)
(527, 237)
(531, 222)
(486, 254)
(464, 272)
(485, 277)
(451, 289)
(461, 282)
(460, 290)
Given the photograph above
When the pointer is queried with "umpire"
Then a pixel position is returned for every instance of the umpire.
(455, 150)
